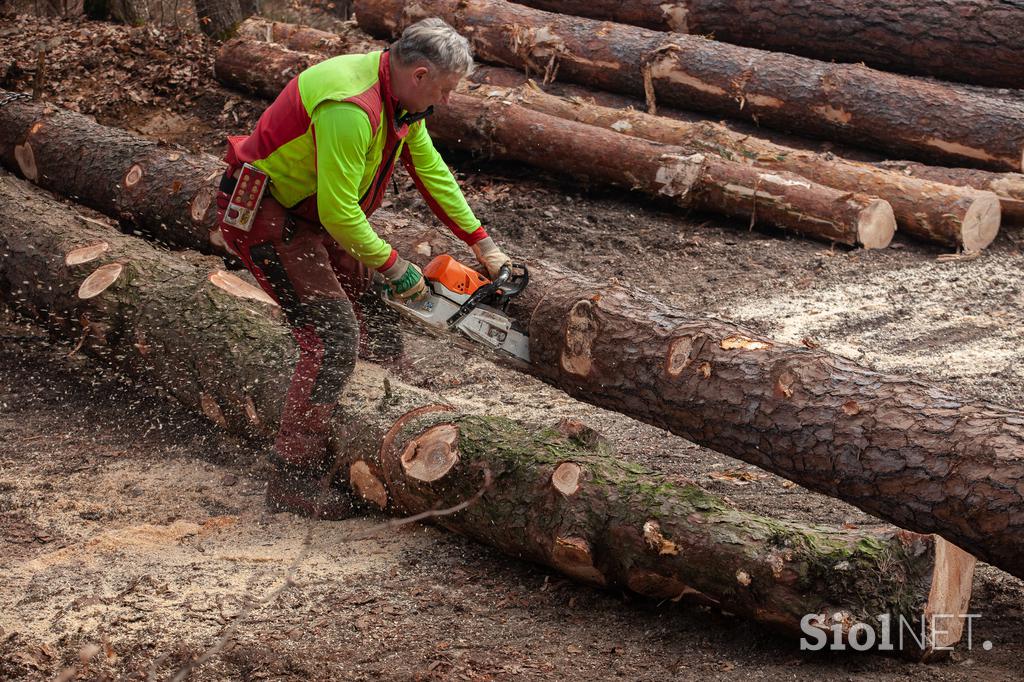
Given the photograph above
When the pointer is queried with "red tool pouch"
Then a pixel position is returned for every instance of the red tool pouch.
(245, 199)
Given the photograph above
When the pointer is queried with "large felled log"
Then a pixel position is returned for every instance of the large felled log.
(1009, 187)
(560, 497)
(117, 170)
(981, 41)
(873, 109)
(203, 335)
(928, 210)
(172, 325)
(687, 177)
(908, 452)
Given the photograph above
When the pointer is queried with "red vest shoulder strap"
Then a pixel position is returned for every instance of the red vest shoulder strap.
(371, 102)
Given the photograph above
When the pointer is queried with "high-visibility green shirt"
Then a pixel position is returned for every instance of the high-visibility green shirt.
(336, 132)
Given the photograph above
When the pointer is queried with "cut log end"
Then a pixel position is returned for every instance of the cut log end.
(566, 478)
(876, 225)
(26, 161)
(981, 222)
(952, 580)
(96, 283)
(432, 455)
(84, 254)
(239, 287)
(367, 485)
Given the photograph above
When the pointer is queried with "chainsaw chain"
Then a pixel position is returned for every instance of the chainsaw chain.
(8, 97)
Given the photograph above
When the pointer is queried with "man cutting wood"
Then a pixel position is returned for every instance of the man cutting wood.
(294, 204)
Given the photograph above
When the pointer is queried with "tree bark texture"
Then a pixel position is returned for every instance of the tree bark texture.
(149, 186)
(909, 452)
(308, 39)
(854, 104)
(559, 496)
(935, 212)
(173, 319)
(131, 12)
(219, 18)
(162, 320)
(974, 41)
(1009, 187)
(686, 177)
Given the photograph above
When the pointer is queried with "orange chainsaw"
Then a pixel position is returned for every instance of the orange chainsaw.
(462, 300)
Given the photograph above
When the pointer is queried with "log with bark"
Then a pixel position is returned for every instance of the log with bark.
(895, 114)
(687, 177)
(559, 495)
(219, 19)
(935, 212)
(308, 39)
(981, 41)
(180, 321)
(907, 451)
(1009, 187)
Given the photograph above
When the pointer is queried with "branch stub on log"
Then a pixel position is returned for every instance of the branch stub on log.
(236, 286)
(566, 478)
(96, 283)
(84, 254)
(367, 485)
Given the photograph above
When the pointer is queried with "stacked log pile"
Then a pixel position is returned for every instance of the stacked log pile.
(908, 452)
(853, 104)
(686, 176)
(557, 495)
(977, 42)
(943, 208)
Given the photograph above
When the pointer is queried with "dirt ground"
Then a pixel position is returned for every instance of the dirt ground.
(132, 533)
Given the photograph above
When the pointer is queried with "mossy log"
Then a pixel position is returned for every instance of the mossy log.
(560, 496)
(686, 177)
(205, 336)
(940, 213)
(909, 452)
(981, 41)
(848, 103)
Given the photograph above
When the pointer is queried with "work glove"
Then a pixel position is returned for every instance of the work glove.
(490, 256)
(406, 281)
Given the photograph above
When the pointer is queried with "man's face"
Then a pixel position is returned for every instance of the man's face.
(428, 87)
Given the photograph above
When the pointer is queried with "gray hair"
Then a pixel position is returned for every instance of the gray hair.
(432, 40)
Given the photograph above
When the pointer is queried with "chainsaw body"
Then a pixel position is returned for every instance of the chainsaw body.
(462, 300)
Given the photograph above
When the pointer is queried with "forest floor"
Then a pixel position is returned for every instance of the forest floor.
(132, 532)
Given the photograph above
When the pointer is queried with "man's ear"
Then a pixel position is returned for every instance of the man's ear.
(419, 73)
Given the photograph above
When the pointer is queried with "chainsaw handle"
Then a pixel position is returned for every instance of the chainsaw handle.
(501, 284)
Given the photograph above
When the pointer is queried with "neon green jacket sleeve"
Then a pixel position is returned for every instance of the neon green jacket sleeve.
(437, 185)
(343, 135)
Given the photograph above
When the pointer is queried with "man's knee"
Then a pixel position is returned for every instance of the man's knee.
(335, 324)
